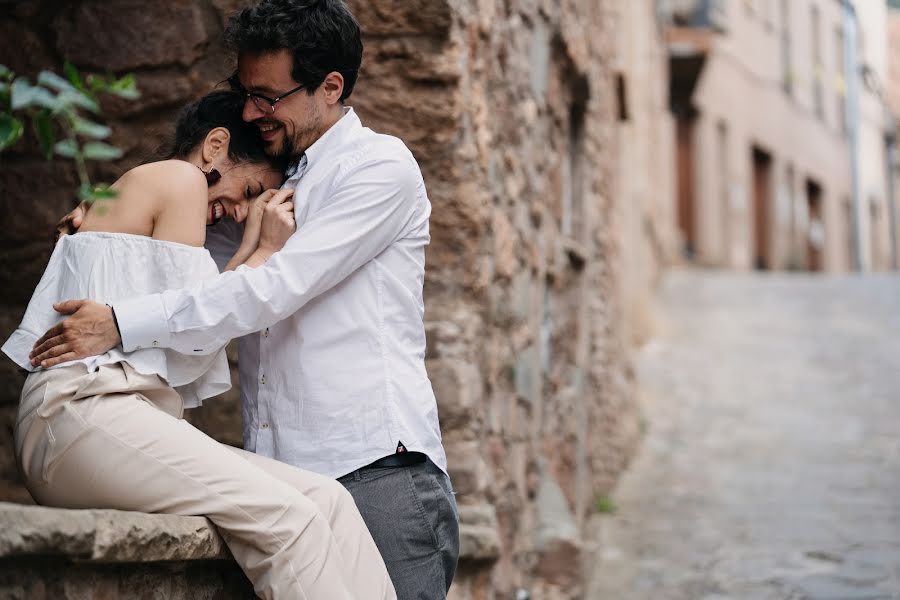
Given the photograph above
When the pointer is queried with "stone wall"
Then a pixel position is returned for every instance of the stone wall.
(509, 106)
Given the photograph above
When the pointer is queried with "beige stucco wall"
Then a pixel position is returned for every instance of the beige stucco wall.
(645, 185)
(741, 87)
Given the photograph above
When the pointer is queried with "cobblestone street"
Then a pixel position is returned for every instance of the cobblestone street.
(770, 468)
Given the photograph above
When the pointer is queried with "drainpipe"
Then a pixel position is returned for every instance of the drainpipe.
(890, 140)
(852, 80)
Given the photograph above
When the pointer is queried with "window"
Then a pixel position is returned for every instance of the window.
(787, 69)
(816, 38)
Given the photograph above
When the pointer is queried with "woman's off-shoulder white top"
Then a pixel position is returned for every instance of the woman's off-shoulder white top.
(105, 267)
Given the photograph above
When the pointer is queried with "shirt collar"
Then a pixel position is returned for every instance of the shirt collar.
(348, 122)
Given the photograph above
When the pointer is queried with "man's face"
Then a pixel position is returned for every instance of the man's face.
(297, 121)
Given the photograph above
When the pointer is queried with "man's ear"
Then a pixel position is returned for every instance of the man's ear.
(333, 86)
(216, 144)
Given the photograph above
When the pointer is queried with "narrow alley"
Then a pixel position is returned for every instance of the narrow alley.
(770, 468)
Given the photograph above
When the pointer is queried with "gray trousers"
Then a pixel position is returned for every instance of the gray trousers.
(411, 513)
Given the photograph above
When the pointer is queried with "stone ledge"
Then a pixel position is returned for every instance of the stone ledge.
(115, 536)
(108, 536)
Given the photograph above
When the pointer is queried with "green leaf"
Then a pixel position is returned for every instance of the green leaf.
(25, 95)
(5, 73)
(103, 192)
(90, 129)
(54, 81)
(73, 75)
(67, 148)
(125, 87)
(85, 192)
(10, 131)
(43, 128)
(79, 99)
(101, 151)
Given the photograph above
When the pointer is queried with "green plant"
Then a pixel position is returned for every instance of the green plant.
(54, 103)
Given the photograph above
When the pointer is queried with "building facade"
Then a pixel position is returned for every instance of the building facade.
(769, 126)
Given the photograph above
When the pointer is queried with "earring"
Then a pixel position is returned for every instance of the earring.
(212, 176)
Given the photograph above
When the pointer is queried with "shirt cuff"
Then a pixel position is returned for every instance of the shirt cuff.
(142, 322)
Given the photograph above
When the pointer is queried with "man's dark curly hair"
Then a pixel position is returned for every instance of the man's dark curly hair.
(322, 34)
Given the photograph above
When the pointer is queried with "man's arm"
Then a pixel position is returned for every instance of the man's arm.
(369, 210)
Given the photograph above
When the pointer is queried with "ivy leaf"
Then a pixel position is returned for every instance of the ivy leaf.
(74, 77)
(10, 131)
(67, 148)
(101, 151)
(90, 129)
(54, 81)
(43, 128)
(125, 87)
(79, 99)
(25, 95)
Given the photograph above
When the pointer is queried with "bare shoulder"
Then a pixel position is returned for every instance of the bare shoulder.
(171, 193)
(164, 179)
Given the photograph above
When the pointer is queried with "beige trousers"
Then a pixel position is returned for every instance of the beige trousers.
(115, 439)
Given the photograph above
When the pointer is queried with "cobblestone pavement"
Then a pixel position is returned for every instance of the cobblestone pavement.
(770, 468)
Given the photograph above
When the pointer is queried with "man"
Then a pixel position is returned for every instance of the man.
(334, 381)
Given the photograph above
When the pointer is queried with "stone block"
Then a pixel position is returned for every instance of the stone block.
(159, 89)
(22, 50)
(458, 388)
(397, 18)
(479, 537)
(106, 535)
(557, 538)
(468, 469)
(35, 195)
(121, 35)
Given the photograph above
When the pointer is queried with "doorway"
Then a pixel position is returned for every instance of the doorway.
(815, 235)
(685, 125)
(762, 202)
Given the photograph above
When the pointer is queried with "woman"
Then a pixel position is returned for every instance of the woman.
(106, 432)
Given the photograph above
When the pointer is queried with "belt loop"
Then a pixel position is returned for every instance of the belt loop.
(357, 476)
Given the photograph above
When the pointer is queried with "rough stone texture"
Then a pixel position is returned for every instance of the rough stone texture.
(74, 554)
(106, 535)
(510, 110)
(774, 475)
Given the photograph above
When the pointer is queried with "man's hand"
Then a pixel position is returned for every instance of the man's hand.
(70, 223)
(91, 330)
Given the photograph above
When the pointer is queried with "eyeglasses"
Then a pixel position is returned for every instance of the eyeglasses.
(263, 103)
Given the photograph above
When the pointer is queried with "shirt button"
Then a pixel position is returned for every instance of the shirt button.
(262, 380)
(265, 425)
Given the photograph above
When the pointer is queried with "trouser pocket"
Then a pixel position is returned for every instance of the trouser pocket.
(47, 441)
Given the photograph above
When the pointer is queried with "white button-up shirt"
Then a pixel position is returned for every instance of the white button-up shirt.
(334, 377)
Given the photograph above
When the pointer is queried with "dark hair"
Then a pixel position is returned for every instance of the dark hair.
(323, 36)
(220, 108)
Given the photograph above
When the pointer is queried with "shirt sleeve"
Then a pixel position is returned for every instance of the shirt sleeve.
(370, 208)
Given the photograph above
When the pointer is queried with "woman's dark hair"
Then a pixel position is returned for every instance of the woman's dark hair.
(220, 108)
(323, 36)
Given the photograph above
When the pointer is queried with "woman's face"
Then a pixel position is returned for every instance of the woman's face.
(241, 183)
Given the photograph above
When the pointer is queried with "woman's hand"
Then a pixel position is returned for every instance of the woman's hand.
(253, 226)
(278, 225)
(71, 222)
